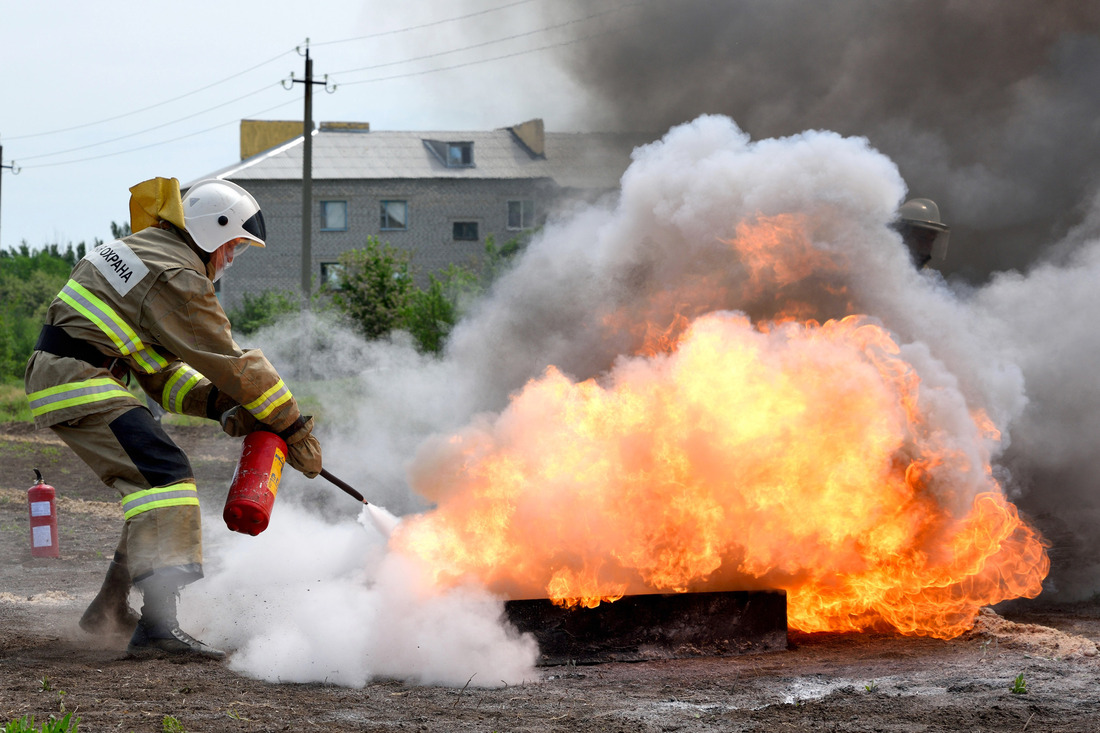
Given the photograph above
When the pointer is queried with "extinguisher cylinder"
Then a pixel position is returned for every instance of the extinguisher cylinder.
(42, 502)
(255, 483)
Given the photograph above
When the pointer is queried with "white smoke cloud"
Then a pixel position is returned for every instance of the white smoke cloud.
(311, 600)
(318, 597)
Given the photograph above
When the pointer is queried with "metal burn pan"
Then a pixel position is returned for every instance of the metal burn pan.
(657, 626)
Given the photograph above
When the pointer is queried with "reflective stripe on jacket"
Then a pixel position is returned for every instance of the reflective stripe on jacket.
(177, 387)
(81, 393)
(181, 494)
(269, 401)
(115, 328)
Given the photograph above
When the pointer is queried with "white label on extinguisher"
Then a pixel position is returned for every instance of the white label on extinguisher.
(40, 509)
(41, 536)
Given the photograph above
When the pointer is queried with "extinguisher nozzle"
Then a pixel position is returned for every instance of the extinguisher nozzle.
(343, 486)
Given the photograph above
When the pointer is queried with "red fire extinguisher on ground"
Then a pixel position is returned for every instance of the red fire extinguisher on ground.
(42, 499)
(255, 483)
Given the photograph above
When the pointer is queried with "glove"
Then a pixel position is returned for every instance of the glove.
(238, 422)
(303, 452)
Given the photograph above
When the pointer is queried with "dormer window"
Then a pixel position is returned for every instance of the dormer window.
(452, 154)
(460, 155)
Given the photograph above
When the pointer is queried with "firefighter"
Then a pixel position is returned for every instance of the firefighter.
(923, 233)
(144, 307)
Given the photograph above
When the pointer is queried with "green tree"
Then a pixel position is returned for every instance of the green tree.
(378, 293)
(118, 231)
(498, 259)
(429, 316)
(29, 281)
(375, 287)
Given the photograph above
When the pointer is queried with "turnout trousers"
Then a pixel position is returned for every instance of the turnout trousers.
(130, 452)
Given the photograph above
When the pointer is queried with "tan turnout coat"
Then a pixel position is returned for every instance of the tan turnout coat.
(148, 301)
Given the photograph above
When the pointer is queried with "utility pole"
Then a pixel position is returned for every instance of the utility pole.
(307, 171)
(11, 166)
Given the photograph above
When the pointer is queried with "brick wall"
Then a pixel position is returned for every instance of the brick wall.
(433, 207)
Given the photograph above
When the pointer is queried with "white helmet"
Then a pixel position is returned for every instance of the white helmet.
(217, 211)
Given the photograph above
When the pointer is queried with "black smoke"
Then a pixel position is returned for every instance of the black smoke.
(990, 108)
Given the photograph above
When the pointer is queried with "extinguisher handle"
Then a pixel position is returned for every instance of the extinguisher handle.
(343, 486)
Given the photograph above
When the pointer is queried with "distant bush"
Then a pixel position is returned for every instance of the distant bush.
(377, 292)
(264, 309)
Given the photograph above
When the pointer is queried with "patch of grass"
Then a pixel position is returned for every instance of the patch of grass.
(18, 449)
(1019, 685)
(59, 725)
(13, 402)
(171, 724)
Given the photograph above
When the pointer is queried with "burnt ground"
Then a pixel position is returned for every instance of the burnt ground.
(823, 682)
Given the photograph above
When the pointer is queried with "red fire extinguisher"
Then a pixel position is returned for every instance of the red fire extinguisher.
(42, 499)
(255, 483)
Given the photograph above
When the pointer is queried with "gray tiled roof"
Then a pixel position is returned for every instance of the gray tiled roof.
(572, 160)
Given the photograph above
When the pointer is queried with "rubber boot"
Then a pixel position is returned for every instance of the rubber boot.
(157, 629)
(109, 612)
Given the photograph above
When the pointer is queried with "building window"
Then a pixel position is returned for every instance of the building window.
(521, 214)
(452, 154)
(395, 215)
(465, 231)
(334, 216)
(330, 275)
(460, 155)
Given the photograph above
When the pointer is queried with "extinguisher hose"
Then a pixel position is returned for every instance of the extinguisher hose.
(346, 488)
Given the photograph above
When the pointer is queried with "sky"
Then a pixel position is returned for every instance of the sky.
(104, 95)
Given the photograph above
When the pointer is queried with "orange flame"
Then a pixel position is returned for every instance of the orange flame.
(726, 455)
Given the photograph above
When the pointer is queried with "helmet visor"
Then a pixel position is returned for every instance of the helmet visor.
(255, 226)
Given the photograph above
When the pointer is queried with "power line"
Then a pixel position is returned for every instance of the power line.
(426, 25)
(489, 43)
(494, 58)
(151, 106)
(164, 142)
(148, 129)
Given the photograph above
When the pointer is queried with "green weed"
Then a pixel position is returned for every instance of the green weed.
(172, 724)
(26, 725)
(1019, 685)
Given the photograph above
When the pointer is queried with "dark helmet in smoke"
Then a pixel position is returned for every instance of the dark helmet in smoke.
(923, 233)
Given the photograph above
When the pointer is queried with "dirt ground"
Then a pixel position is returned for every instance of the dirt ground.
(822, 682)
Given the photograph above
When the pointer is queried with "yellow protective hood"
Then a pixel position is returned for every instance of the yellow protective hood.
(157, 199)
